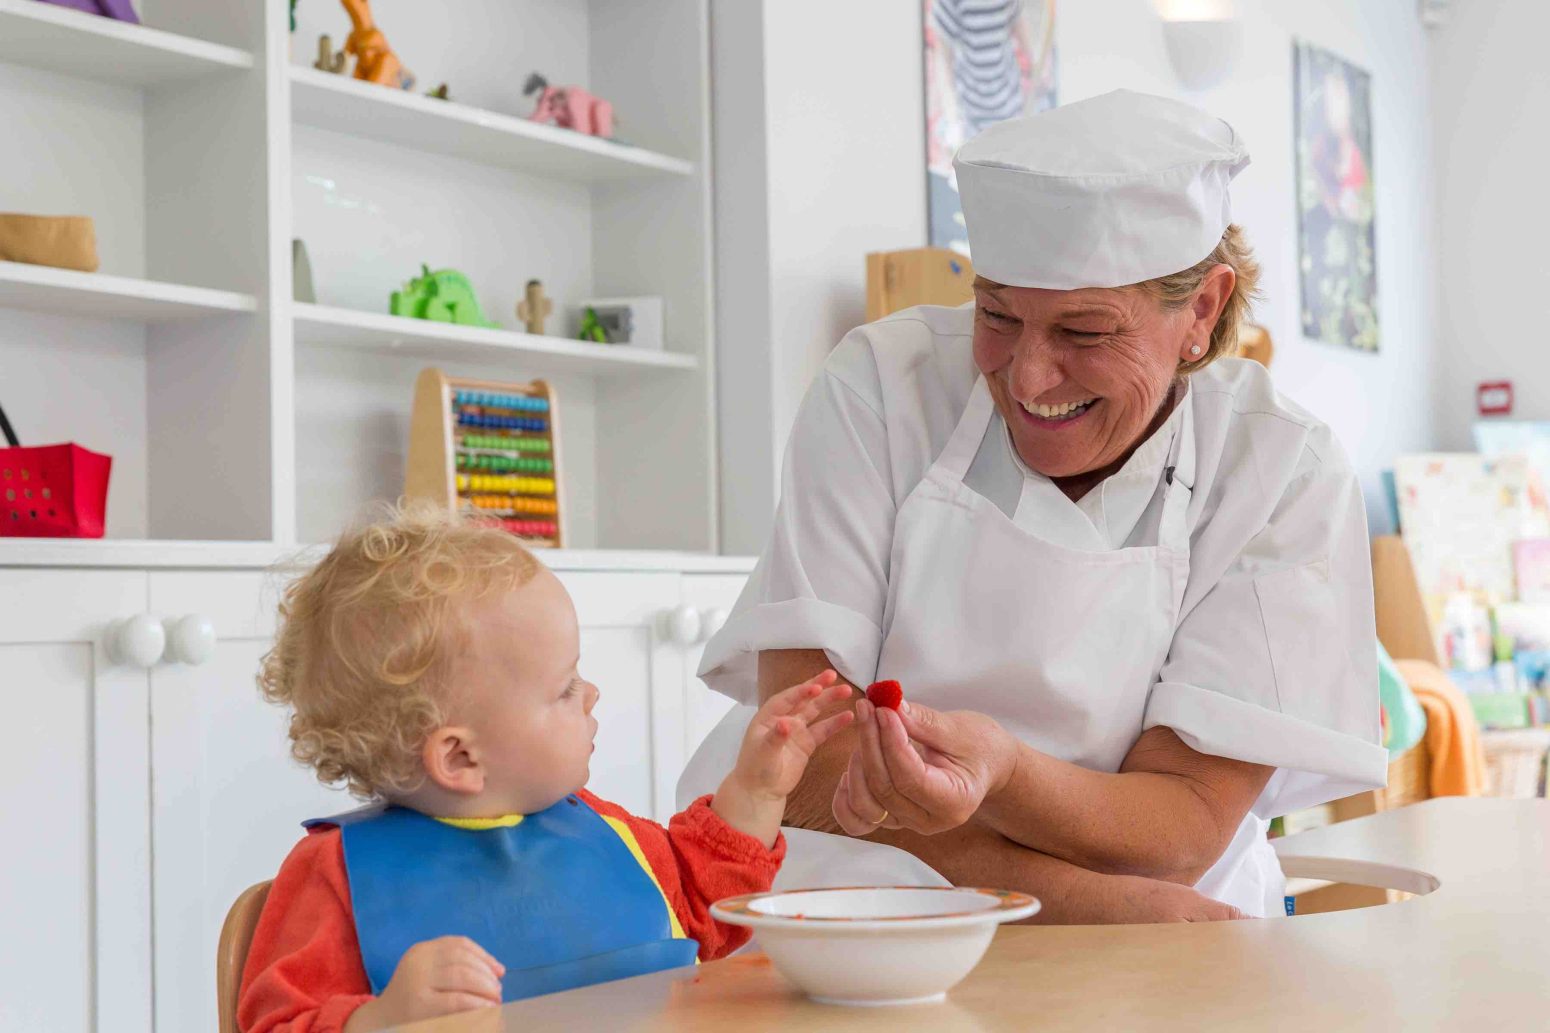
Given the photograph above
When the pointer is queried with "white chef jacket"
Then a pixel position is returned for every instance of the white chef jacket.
(1273, 658)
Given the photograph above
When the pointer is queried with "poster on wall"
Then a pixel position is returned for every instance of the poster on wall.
(1338, 253)
(986, 60)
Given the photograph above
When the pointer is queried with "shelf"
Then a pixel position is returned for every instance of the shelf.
(345, 105)
(67, 292)
(321, 325)
(58, 39)
(174, 554)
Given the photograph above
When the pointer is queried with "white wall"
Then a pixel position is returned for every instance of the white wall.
(843, 129)
(1491, 101)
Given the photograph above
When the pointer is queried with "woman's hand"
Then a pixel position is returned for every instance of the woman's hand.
(930, 785)
(779, 742)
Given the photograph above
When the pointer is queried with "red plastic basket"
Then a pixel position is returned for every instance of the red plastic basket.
(51, 491)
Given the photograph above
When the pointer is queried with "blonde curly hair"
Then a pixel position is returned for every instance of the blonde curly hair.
(365, 637)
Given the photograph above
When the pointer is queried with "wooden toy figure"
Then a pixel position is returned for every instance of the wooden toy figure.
(374, 59)
(570, 107)
(328, 61)
(534, 307)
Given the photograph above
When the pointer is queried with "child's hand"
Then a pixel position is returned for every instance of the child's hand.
(433, 978)
(779, 742)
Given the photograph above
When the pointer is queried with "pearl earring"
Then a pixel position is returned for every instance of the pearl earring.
(1195, 350)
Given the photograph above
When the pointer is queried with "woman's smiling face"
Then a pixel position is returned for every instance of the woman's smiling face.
(1080, 375)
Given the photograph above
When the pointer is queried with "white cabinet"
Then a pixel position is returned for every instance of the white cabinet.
(639, 674)
(75, 935)
(142, 797)
(711, 596)
(227, 800)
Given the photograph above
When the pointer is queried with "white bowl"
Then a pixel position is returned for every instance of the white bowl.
(879, 944)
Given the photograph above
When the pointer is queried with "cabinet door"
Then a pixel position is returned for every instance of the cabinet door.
(227, 798)
(640, 677)
(713, 596)
(75, 932)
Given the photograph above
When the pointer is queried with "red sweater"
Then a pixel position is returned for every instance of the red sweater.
(304, 971)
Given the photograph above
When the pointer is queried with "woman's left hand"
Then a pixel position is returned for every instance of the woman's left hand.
(931, 784)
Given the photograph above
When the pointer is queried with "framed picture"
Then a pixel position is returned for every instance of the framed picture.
(986, 60)
(1338, 254)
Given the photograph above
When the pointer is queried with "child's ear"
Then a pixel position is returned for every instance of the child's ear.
(452, 762)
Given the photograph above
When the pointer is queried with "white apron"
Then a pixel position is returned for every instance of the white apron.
(1060, 646)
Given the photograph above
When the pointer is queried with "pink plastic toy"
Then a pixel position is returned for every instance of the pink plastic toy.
(570, 107)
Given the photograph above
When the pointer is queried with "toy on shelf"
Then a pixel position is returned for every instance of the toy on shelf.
(51, 491)
(591, 328)
(441, 92)
(374, 59)
(301, 273)
(119, 10)
(328, 60)
(570, 107)
(444, 296)
(534, 307)
(636, 322)
(62, 241)
(488, 446)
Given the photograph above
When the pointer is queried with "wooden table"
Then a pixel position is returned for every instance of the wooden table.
(1474, 954)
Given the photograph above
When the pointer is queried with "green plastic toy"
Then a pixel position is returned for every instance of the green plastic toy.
(444, 296)
(592, 327)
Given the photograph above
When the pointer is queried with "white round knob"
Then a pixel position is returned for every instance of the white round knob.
(683, 624)
(190, 640)
(137, 641)
(711, 621)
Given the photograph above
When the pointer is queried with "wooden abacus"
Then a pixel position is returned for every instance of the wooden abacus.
(489, 446)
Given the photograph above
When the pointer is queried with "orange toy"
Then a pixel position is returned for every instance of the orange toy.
(374, 59)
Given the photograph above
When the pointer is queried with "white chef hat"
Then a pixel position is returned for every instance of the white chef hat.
(1101, 193)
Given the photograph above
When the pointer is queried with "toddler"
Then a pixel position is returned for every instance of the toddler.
(431, 665)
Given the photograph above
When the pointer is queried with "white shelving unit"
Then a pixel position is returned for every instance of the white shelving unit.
(203, 142)
(323, 326)
(58, 39)
(68, 292)
(345, 105)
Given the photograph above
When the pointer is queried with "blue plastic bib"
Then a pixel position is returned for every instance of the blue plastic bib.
(558, 897)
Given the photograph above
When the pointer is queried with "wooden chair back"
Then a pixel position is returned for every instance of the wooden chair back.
(231, 953)
(919, 276)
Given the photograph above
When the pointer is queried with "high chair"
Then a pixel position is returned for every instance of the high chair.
(231, 953)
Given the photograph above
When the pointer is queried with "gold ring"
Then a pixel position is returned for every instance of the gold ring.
(884, 818)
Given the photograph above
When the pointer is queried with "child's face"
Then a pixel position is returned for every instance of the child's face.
(529, 710)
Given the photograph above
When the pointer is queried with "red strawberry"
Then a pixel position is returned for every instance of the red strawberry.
(885, 694)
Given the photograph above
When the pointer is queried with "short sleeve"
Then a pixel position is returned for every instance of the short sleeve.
(1276, 663)
(822, 581)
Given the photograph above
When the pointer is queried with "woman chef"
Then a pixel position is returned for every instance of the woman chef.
(1124, 584)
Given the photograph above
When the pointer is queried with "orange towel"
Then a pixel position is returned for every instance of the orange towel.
(1452, 734)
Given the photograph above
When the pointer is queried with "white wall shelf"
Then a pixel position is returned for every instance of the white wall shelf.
(68, 292)
(322, 325)
(345, 105)
(161, 554)
(61, 40)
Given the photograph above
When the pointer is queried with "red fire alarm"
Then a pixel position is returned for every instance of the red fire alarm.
(1494, 398)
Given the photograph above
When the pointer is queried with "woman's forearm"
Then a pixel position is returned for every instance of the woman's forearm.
(1168, 814)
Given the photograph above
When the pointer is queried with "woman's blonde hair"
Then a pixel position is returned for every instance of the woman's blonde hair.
(1176, 290)
(365, 637)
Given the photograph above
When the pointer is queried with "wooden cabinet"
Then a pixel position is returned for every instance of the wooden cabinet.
(144, 796)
